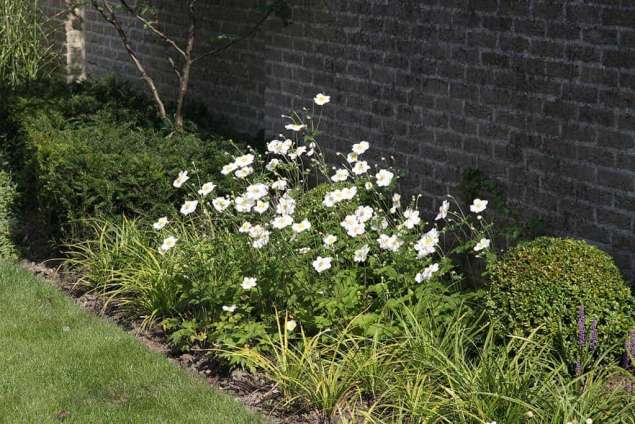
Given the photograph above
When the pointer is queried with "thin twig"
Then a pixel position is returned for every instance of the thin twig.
(152, 28)
(112, 19)
(249, 34)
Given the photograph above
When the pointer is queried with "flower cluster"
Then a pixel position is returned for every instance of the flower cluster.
(266, 209)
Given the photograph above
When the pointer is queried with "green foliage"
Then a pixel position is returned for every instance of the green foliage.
(94, 149)
(26, 53)
(112, 169)
(543, 282)
(436, 370)
(7, 199)
(511, 226)
(188, 287)
(59, 357)
(54, 104)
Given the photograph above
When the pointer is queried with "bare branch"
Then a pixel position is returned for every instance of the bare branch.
(106, 11)
(248, 34)
(184, 77)
(152, 28)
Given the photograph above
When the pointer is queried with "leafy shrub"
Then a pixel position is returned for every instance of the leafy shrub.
(55, 104)
(543, 283)
(7, 198)
(322, 253)
(112, 168)
(95, 148)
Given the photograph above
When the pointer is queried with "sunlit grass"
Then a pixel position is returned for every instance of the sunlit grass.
(58, 359)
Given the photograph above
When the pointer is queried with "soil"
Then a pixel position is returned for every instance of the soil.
(254, 391)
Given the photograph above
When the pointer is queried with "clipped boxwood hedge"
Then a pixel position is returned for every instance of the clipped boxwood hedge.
(96, 148)
(113, 169)
(544, 281)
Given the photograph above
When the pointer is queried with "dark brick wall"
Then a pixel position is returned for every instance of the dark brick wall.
(537, 94)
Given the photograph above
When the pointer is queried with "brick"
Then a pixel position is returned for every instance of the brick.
(580, 13)
(618, 17)
(619, 59)
(494, 59)
(616, 180)
(600, 36)
(616, 140)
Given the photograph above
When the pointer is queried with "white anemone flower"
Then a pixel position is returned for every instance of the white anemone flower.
(352, 157)
(229, 168)
(291, 325)
(229, 309)
(282, 221)
(181, 179)
(261, 207)
(443, 210)
(361, 254)
(384, 178)
(168, 244)
(349, 193)
(279, 185)
(206, 189)
(295, 127)
(478, 205)
(364, 213)
(248, 283)
(368, 185)
(221, 203)
(161, 223)
(396, 202)
(340, 175)
(243, 204)
(360, 147)
(329, 200)
(244, 172)
(257, 231)
(321, 99)
(321, 264)
(301, 226)
(427, 243)
(286, 205)
(245, 227)
(257, 191)
(244, 160)
(272, 164)
(482, 244)
(189, 207)
(329, 240)
(412, 218)
(390, 243)
(360, 167)
(427, 273)
(355, 229)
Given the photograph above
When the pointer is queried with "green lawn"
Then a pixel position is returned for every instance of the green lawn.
(55, 357)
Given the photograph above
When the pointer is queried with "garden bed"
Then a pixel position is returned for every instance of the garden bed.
(314, 292)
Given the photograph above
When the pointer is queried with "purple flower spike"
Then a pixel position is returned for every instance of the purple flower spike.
(632, 334)
(581, 327)
(578, 368)
(594, 335)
